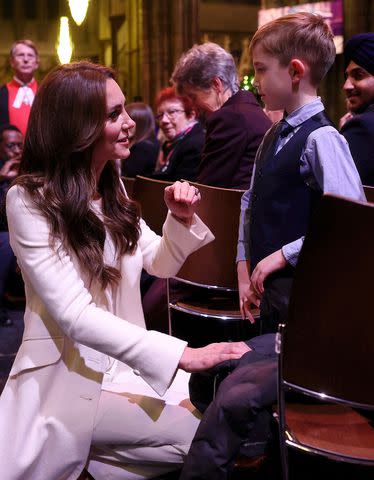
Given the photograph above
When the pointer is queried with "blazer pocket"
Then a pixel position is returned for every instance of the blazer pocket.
(37, 352)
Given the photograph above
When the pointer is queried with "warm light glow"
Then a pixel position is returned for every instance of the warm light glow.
(78, 9)
(65, 46)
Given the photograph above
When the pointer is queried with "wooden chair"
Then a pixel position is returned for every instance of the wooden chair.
(369, 192)
(129, 183)
(209, 311)
(150, 194)
(220, 210)
(327, 347)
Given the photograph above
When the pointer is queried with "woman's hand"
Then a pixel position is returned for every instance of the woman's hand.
(198, 359)
(182, 200)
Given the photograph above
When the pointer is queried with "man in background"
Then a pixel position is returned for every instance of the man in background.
(359, 90)
(17, 96)
(11, 144)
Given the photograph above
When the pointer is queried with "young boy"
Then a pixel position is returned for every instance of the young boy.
(300, 158)
(290, 55)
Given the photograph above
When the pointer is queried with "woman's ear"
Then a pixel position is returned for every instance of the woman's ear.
(217, 85)
(297, 70)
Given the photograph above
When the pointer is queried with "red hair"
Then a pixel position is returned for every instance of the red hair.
(169, 93)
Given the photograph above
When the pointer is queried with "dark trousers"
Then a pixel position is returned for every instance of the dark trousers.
(240, 412)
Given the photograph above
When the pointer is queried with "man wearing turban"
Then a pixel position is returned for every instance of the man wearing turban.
(359, 90)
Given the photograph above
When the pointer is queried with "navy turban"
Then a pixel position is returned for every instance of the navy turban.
(360, 49)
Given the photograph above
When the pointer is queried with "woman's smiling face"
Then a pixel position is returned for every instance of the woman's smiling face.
(114, 141)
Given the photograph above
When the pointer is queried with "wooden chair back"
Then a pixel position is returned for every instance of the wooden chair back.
(129, 183)
(150, 194)
(328, 345)
(214, 265)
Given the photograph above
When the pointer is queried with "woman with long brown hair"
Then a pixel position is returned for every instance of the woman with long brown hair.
(72, 398)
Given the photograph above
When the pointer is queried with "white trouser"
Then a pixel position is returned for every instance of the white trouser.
(140, 435)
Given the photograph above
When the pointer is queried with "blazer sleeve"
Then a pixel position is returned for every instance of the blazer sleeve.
(164, 256)
(188, 165)
(53, 277)
(185, 160)
(232, 139)
(225, 144)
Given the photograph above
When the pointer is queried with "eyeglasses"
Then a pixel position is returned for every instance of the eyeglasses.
(172, 113)
(11, 145)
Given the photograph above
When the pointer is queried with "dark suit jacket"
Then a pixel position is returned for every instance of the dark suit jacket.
(359, 132)
(4, 110)
(233, 134)
(142, 159)
(185, 159)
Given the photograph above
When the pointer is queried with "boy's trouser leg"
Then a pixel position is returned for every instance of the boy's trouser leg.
(274, 304)
(232, 417)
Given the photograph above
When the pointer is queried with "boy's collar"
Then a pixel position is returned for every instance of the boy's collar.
(303, 113)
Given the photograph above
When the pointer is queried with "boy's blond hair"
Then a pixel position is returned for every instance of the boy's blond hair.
(300, 35)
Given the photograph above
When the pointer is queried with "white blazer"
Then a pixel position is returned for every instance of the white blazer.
(73, 329)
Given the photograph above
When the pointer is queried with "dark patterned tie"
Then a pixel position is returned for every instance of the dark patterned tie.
(280, 130)
(283, 129)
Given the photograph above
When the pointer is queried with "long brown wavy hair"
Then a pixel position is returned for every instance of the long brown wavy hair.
(67, 118)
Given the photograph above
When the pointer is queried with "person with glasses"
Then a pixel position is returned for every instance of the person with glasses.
(11, 144)
(17, 96)
(183, 135)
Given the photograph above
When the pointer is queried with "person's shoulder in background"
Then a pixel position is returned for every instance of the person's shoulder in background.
(142, 159)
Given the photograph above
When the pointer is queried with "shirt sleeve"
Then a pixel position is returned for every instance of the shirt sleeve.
(242, 248)
(326, 165)
(225, 144)
(242, 252)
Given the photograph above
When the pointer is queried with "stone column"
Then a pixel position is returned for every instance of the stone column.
(169, 28)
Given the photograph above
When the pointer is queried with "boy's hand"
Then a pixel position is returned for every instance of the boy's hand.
(247, 296)
(268, 265)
